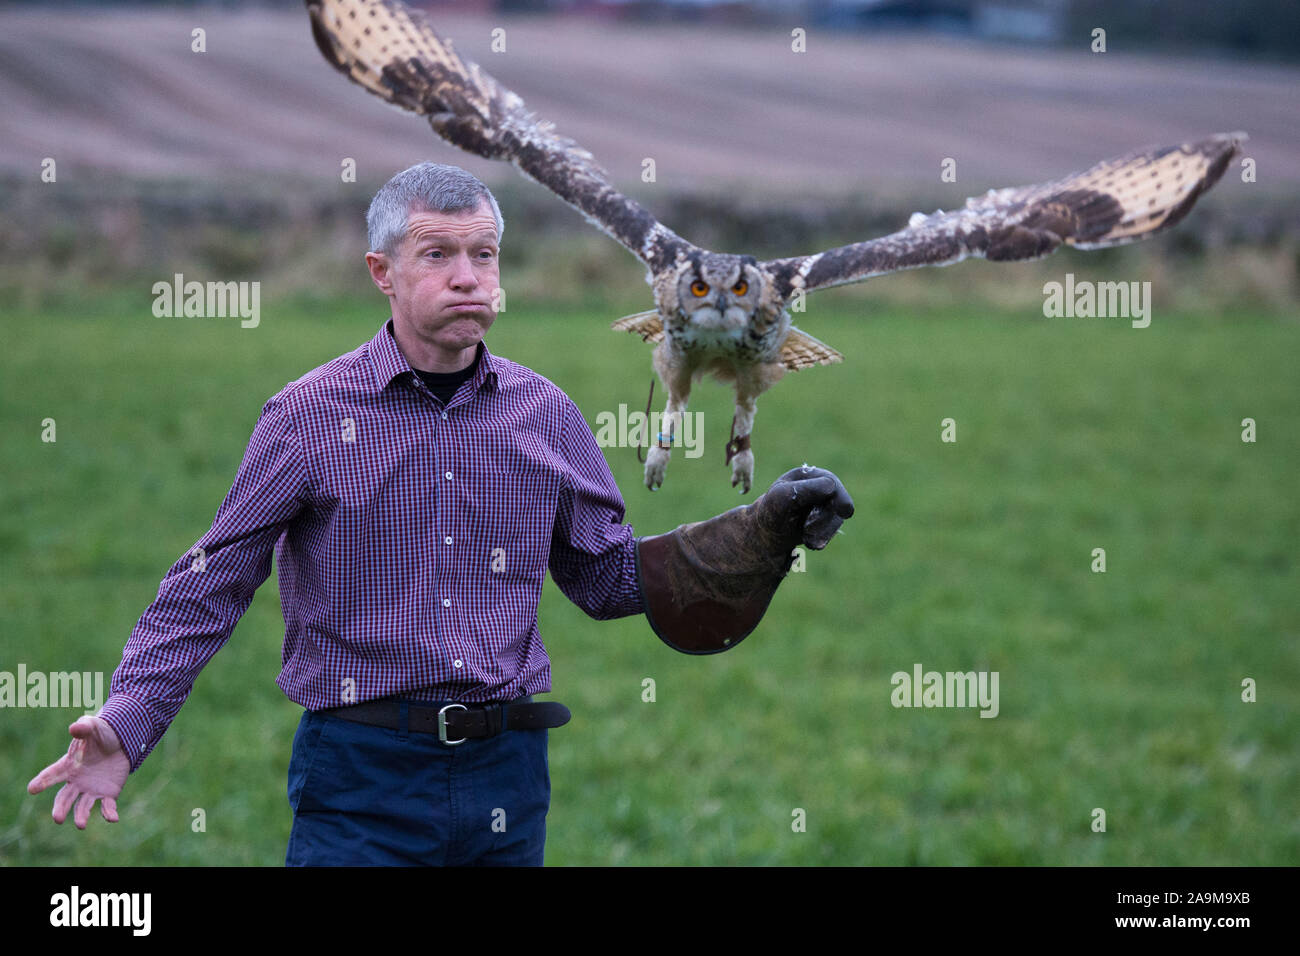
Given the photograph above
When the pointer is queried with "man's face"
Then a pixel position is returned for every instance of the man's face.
(442, 279)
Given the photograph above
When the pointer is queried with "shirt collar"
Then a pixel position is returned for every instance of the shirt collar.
(389, 362)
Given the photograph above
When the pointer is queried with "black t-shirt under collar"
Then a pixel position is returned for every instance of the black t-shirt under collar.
(444, 384)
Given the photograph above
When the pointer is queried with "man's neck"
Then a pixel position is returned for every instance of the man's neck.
(424, 357)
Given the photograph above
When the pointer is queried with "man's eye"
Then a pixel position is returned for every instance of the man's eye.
(435, 254)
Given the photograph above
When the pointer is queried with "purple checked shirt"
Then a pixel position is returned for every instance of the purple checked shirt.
(412, 541)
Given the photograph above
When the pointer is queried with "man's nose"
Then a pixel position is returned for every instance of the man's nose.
(462, 275)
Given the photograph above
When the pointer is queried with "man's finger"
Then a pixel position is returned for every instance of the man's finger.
(54, 773)
(63, 801)
(108, 809)
(82, 814)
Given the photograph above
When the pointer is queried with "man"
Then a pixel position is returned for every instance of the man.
(415, 492)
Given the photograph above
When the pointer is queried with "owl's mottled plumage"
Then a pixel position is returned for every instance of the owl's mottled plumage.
(727, 315)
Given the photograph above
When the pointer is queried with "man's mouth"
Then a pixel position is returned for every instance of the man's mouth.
(467, 306)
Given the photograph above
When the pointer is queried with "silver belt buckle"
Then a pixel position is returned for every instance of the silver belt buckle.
(442, 725)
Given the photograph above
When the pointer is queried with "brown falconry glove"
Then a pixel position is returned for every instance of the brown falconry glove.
(706, 585)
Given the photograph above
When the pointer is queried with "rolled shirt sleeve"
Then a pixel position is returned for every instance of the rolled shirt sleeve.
(208, 589)
(593, 558)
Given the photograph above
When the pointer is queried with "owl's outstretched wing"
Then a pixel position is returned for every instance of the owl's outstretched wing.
(394, 52)
(1115, 202)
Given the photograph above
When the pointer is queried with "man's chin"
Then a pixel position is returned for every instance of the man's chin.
(464, 338)
(460, 335)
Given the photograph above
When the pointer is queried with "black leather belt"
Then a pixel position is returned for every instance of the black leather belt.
(454, 722)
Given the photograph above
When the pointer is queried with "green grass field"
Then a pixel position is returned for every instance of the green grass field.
(1119, 691)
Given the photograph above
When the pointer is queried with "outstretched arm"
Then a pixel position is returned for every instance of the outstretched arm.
(209, 588)
(199, 602)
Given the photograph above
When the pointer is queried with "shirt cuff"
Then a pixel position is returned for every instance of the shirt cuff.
(133, 724)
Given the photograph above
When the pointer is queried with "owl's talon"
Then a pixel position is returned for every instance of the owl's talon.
(742, 470)
(656, 463)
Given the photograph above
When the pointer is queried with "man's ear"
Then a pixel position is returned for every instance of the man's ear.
(381, 271)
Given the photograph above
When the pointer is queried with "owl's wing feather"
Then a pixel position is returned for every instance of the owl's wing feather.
(395, 53)
(801, 350)
(648, 325)
(1115, 202)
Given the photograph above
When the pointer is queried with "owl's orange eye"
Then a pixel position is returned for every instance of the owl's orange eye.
(699, 289)
(740, 287)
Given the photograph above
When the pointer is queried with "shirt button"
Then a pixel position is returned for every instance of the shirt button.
(447, 539)
(456, 663)
(444, 414)
(449, 476)
(446, 602)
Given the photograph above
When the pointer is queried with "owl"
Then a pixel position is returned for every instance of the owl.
(728, 316)
(720, 315)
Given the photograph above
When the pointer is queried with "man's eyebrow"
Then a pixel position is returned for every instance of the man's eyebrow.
(486, 236)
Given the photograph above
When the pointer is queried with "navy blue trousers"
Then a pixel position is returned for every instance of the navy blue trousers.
(370, 796)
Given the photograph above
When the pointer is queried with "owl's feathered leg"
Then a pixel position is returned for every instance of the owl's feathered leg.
(675, 373)
(738, 448)
(751, 382)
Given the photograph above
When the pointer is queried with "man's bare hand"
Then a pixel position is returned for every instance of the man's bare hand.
(94, 768)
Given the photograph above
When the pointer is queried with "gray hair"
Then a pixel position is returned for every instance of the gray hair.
(425, 187)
